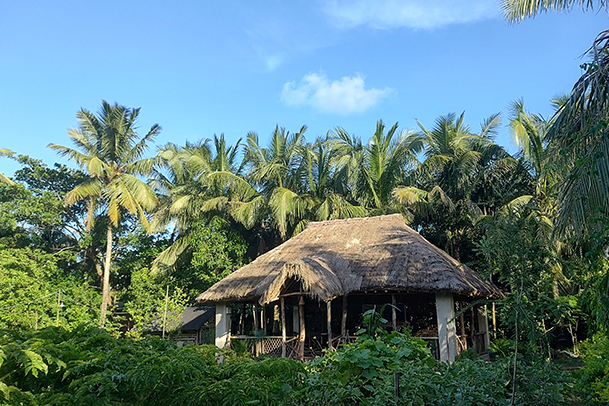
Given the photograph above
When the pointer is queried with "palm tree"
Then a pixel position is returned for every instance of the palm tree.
(3, 178)
(109, 150)
(198, 184)
(461, 178)
(374, 170)
(326, 186)
(529, 132)
(279, 172)
(579, 128)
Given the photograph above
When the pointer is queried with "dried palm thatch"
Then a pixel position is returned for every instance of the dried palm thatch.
(341, 257)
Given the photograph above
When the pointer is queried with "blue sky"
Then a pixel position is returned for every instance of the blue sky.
(200, 68)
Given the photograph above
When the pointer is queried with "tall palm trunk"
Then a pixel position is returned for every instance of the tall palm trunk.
(106, 282)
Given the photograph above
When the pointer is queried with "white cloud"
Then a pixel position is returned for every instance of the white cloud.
(416, 14)
(272, 62)
(345, 96)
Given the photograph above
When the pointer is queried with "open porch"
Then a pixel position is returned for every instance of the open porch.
(299, 327)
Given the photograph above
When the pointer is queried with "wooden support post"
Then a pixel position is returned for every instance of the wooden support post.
(463, 339)
(494, 323)
(242, 321)
(394, 318)
(396, 384)
(283, 333)
(343, 325)
(276, 319)
(482, 319)
(329, 323)
(474, 321)
(302, 335)
(256, 314)
(256, 317)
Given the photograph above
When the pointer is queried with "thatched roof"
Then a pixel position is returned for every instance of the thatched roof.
(359, 255)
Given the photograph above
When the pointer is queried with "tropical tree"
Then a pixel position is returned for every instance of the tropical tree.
(372, 171)
(197, 185)
(109, 150)
(3, 178)
(279, 172)
(529, 133)
(464, 176)
(579, 128)
(327, 187)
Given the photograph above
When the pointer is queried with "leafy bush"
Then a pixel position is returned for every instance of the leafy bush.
(593, 377)
(88, 366)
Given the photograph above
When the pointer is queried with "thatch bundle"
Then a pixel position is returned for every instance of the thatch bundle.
(341, 257)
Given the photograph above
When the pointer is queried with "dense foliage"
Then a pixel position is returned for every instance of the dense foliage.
(89, 366)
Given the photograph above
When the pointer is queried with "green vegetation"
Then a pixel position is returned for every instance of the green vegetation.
(55, 366)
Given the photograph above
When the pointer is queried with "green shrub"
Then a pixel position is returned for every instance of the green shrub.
(593, 377)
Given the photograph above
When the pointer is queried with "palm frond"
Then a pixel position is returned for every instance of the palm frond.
(89, 188)
(166, 261)
(249, 213)
(517, 10)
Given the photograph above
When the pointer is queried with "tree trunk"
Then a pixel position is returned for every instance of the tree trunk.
(106, 283)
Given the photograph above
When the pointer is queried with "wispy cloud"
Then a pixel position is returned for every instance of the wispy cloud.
(418, 14)
(272, 62)
(345, 96)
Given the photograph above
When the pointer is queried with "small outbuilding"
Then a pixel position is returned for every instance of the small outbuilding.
(310, 292)
(191, 327)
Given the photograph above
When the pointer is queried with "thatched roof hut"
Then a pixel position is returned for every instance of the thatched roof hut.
(342, 257)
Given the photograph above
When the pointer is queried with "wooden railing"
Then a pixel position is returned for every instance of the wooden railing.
(433, 343)
(477, 342)
(268, 345)
(273, 345)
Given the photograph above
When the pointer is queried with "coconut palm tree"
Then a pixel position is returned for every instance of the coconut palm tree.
(279, 172)
(328, 190)
(530, 133)
(579, 128)
(197, 184)
(109, 150)
(372, 171)
(461, 178)
(579, 137)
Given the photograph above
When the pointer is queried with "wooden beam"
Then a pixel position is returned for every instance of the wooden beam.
(329, 323)
(283, 334)
(394, 318)
(343, 325)
(302, 335)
